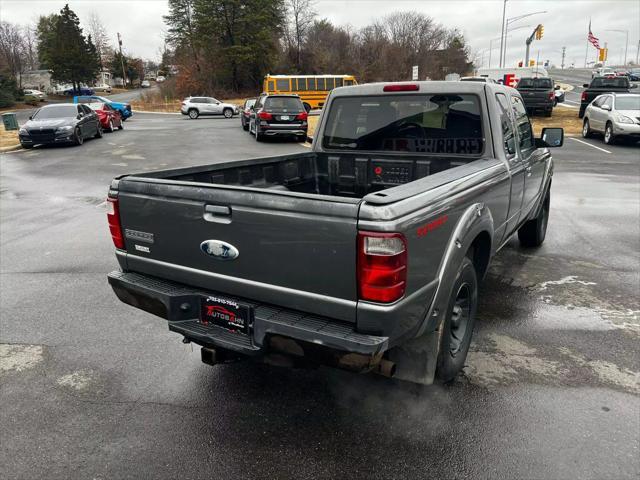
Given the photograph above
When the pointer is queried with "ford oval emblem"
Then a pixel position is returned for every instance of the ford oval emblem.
(219, 250)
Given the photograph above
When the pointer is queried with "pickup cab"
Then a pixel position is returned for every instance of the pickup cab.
(364, 253)
(538, 94)
(600, 85)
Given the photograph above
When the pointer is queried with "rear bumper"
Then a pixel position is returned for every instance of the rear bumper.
(180, 305)
(283, 129)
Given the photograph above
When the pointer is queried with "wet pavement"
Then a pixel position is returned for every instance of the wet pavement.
(92, 388)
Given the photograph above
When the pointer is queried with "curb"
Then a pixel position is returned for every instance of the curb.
(10, 148)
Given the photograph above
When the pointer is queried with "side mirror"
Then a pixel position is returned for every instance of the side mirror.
(79, 116)
(606, 107)
(635, 85)
(550, 138)
(30, 117)
(585, 85)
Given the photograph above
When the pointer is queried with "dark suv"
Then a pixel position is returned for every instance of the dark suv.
(278, 115)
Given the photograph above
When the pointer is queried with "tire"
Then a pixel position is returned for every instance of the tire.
(534, 231)
(307, 107)
(609, 138)
(581, 112)
(586, 129)
(459, 323)
(121, 126)
(193, 113)
(227, 112)
(111, 127)
(245, 127)
(301, 138)
(78, 139)
(547, 113)
(98, 132)
(259, 136)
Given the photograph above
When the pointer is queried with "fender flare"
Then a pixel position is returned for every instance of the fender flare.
(416, 359)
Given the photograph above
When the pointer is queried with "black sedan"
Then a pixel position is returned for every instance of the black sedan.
(60, 123)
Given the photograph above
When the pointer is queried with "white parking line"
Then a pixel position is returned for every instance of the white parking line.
(571, 101)
(566, 106)
(592, 146)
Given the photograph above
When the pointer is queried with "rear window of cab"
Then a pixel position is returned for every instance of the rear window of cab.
(422, 124)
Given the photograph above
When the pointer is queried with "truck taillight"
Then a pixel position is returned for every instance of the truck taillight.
(382, 266)
(583, 97)
(262, 115)
(552, 95)
(113, 217)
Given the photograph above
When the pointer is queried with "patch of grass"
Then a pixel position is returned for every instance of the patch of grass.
(8, 138)
(562, 117)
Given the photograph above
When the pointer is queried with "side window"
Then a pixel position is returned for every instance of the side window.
(508, 134)
(302, 84)
(525, 131)
(321, 84)
(608, 101)
(87, 110)
(272, 86)
(329, 84)
(338, 82)
(282, 84)
(311, 83)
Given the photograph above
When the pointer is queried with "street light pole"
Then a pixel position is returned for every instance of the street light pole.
(507, 36)
(513, 20)
(502, 32)
(626, 43)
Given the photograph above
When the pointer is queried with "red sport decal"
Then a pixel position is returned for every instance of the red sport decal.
(438, 222)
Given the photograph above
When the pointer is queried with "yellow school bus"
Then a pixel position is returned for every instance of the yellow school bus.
(312, 89)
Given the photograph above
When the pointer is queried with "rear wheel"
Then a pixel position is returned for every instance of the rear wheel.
(586, 129)
(245, 126)
(111, 127)
(193, 114)
(609, 138)
(228, 113)
(259, 136)
(534, 231)
(98, 131)
(459, 322)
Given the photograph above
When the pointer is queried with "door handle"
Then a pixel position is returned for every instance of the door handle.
(528, 171)
(217, 213)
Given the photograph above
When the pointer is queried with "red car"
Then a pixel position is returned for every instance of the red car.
(110, 118)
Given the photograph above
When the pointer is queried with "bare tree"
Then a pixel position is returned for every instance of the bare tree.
(30, 45)
(302, 16)
(100, 38)
(11, 48)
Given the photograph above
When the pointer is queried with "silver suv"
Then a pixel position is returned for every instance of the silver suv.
(613, 114)
(196, 106)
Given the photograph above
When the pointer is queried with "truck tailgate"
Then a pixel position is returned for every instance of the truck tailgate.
(292, 251)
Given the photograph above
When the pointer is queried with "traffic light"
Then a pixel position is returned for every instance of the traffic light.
(539, 32)
(520, 63)
(602, 57)
(532, 63)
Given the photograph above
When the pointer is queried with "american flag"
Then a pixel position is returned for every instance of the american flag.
(593, 40)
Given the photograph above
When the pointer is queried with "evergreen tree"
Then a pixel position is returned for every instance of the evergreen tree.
(63, 49)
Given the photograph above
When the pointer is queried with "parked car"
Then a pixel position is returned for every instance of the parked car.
(277, 115)
(79, 91)
(364, 253)
(478, 79)
(615, 115)
(196, 106)
(160, 78)
(621, 72)
(634, 74)
(603, 72)
(145, 84)
(60, 123)
(31, 95)
(123, 107)
(110, 118)
(538, 94)
(245, 112)
(559, 95)
(103, 87)
(600, 85)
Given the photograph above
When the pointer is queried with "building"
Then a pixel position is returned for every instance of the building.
(37, 80)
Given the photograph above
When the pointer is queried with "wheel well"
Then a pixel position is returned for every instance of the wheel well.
(480, 253)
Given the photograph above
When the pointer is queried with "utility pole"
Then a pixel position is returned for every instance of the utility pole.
(124, 76)
(626, 43)
(564, 52)
(528, 43)
(502, 32)
(638, 53)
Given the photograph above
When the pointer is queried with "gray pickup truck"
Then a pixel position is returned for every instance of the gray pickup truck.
(364, 253)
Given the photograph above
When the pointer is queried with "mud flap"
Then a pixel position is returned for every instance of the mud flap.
(416, 359)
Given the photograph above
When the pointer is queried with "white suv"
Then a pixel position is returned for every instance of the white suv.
(196, 106)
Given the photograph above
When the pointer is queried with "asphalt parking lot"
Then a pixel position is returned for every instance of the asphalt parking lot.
(92, 388)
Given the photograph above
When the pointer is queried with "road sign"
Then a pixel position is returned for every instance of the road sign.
(414, 75)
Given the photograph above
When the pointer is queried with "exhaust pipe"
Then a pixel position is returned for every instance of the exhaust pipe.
(386, 368)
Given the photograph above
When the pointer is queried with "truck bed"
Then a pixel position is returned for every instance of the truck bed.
(344, 175)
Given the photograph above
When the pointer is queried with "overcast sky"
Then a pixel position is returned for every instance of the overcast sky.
(565, 23)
